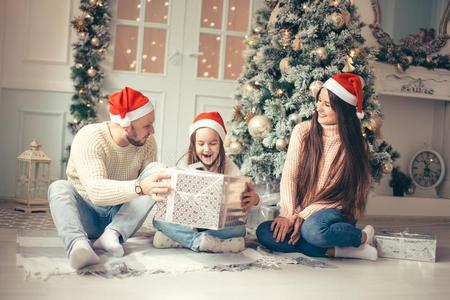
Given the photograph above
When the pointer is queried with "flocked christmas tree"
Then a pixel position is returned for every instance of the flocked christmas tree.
(89, 50)
(294, 46)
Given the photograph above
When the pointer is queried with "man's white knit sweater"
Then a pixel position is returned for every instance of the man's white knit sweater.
(102, 171)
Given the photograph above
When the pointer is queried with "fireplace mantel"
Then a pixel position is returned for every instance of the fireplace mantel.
(415, 82)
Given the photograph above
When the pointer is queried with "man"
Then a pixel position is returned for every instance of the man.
(103, 197)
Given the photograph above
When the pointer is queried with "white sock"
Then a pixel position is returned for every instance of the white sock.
(365, 251)
(209, 243)
(370, 233)
(109, 241)
(82, 255)
(162, 241)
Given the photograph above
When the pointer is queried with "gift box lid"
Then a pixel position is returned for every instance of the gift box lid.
(405, 234)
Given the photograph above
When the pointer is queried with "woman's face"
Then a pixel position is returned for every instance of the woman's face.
(207, 145)
(326, 114)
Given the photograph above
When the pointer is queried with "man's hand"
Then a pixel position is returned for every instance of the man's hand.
(249, 198)
(280, 227)
(154, 187)
(295, 236)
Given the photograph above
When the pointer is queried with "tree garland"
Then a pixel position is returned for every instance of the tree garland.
(89, 50)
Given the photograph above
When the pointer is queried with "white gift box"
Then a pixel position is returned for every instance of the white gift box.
(404, 245)
(203, 200)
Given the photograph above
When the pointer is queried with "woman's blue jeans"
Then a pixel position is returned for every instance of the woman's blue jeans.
(190, 238)
(325, 229)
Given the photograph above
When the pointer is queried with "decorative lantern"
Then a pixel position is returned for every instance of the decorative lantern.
(33, 179)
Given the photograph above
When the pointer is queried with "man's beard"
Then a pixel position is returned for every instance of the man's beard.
(135, 143)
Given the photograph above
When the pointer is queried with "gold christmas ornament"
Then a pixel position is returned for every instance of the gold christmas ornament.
(95, 41)
(321, 53)
(284, 65)
(284, 37)
(89, 17)
(297, 43)
(348, 67)
(79, 24)
(334, 3)
(235, 148)
(281, 144)
(315, 87)
(258, 29)
(337, 20)
(82, 35)
(387, 168)
(83, 91)
(259, 126)
(78, 66)
(91, 72)
(410, 59)
(279, 92)
(306, 8)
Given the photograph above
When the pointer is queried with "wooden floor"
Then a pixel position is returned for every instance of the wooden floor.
(352, 279)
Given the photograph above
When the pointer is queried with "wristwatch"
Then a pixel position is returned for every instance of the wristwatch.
(138, 188)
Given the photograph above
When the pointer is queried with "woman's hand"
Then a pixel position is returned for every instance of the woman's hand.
(280, 227)
(249, 198)
(295, 236)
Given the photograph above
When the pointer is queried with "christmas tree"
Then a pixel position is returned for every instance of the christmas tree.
(291, 52)
(89, 50)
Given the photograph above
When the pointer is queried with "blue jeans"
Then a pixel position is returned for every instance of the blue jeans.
(324, 229)
(190, 238)
(78, 218)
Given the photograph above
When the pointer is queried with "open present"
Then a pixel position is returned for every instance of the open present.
(203, 200)
(405, 245)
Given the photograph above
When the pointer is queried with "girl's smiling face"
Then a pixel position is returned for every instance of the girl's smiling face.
(207, 145)
(326, 114)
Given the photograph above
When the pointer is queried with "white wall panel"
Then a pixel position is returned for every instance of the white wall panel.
(36, 45)
(45, 42)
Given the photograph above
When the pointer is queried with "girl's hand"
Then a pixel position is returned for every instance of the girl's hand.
(295, 236)
(280, 227)
(249, 198)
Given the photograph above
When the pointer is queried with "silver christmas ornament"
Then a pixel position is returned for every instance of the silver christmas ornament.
(259, 126)
(281, 144)
(321, 53)
(91, 72)
(235, 148)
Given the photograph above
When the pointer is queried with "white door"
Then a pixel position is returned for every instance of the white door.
(213, 43)
(183, 55)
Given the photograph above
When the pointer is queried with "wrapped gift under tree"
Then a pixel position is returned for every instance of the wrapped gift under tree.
(405, 245)
(204, 200)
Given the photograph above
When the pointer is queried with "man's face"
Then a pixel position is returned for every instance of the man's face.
(141, 129)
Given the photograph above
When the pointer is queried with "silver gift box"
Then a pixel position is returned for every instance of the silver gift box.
(405, 245)
(204, 200)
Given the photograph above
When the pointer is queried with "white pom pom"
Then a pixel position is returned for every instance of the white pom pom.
(125, 122)
(360, 115)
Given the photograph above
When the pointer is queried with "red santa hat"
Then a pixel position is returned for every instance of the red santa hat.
(211, 120)
(348, 87)
(128, 105)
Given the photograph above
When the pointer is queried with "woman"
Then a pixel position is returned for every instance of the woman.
(326, 180)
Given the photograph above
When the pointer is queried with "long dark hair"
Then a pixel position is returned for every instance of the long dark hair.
(193, 158)
(348, 180)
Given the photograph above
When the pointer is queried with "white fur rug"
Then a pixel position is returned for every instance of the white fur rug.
(41, 255)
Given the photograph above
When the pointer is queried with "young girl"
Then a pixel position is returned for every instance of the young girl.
(325, 181)
(207, 133)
